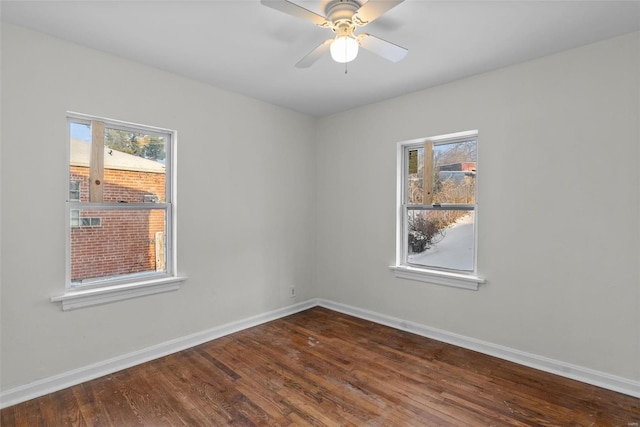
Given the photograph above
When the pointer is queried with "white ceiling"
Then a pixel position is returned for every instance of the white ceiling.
(247, 48)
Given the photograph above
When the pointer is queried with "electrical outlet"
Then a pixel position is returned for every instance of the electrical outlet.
(292, 291)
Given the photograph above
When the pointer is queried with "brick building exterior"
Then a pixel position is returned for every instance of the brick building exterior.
(107, 243)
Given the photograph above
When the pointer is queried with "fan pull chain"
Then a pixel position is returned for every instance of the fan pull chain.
(346, 70)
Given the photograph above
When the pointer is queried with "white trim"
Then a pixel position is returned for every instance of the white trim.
(96, 370)
(456, 280)
(426, 274)
(73, 299)
(106, 367)
(135, 289)
(442, 139)
(118, 124)
(542, 363)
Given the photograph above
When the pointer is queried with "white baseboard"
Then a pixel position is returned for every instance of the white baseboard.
(96, 370)
(578, 373)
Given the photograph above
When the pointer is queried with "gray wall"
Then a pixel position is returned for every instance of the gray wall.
(245, 197)
(269, 198)
(558, 210)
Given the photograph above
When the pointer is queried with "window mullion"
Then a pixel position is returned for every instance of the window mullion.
(442, 207)
(118, 206)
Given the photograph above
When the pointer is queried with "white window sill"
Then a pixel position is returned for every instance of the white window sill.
(73, 299)
(446, 278)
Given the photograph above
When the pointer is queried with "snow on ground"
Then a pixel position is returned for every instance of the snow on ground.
(454, 251)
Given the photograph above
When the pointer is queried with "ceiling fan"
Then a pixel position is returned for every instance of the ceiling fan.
(343, 17)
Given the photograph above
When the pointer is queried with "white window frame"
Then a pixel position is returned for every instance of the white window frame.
(402, 268)
(131, 285)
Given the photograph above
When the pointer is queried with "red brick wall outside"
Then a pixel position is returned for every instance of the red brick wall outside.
(124, 243)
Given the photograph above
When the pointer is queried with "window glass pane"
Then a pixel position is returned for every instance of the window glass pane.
(454, 170)
(80, 155)
(441, 238)
(75, 218)
(134, 167)
(74, 191)
(117, 242)
(415, 174)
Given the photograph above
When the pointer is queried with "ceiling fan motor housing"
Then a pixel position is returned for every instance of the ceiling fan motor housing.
(340, 14)
(341, 10)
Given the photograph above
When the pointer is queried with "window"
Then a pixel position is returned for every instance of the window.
(75, 218)
(74, 190)
(437, 210)
(121, 211)
(85, 221)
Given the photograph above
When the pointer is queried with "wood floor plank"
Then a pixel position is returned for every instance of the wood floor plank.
(322, 368)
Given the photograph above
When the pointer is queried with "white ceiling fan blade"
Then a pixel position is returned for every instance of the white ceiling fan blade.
(373, 9)
(387, 50)
(315, 54)
(293, 9)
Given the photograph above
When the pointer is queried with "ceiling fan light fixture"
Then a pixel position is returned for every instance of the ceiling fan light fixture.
(344, 49)
(343, 17)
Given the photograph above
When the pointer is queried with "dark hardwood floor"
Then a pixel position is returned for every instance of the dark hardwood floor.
(324, 368)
